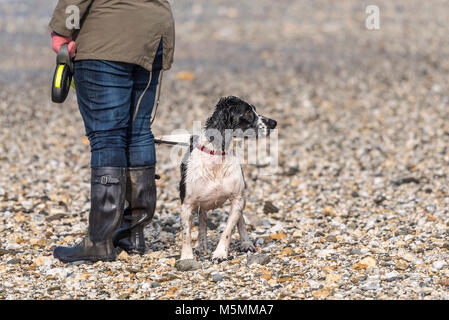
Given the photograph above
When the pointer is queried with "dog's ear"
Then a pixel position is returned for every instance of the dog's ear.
(220, 119)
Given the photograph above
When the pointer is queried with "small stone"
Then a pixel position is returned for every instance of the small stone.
(14, 261)
(360, 266)
(297, 234)
(42, 261)
(314, 284)
(369, 261)
(291, 171)
(155, 285)
(269, 207)
(391, 276)
(405, 180)
(328, 210)
(331, 238)
(208, 271)
(258, 259)
(217, 278)
(265, 223)
(287, 251)
(401, 264)
(437, 265)
(171, 261)
(187, 265)
(169, 277)
(4, 252)
(352, 226)
(57, 216)
(278, 236)
(402, 232)
(54, 288)
(407, 256)
(371, 286)
(444, 282)
(356, 251)
(321, 294)
(333, 277)
(123, 255)
(379, 199)
(283, 279)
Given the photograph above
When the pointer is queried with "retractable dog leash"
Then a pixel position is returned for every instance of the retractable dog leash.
(62, 78)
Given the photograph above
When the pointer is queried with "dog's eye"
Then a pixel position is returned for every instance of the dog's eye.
(247, 116)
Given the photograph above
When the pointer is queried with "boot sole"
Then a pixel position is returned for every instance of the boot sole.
(85, 259)
(132, 250)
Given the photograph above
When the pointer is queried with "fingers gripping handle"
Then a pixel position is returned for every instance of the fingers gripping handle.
(63, 57)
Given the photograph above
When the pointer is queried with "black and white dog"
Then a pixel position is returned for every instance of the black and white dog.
(211, 174)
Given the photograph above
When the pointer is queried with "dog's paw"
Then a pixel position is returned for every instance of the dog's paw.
(201, 249)
(187, 256)
(219, 255)
(247, 246)
(220, 260)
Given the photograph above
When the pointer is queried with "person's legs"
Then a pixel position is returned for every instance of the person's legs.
(141, 156)
(104, 91)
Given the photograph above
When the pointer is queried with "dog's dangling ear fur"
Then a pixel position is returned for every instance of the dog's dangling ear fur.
(221, 118)
(220, 121)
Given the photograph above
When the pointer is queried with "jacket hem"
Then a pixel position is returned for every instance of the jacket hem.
(139, 61)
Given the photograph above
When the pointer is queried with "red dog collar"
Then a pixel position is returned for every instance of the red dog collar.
(211, 152)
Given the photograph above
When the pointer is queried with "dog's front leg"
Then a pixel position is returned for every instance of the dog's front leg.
(246, 243)
(202, 232)
(221, 252)
(186, 220)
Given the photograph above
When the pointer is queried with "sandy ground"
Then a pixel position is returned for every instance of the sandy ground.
(361, 187)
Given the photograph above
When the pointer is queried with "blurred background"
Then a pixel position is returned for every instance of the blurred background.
(358, 207)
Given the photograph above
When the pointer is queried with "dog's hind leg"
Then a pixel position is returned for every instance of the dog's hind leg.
(221, 252)
(186, 220)
(202, 231)
(246, 243)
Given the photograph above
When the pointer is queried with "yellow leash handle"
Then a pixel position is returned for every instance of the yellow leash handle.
(58, 79)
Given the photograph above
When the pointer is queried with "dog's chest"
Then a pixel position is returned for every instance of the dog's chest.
(210, 185)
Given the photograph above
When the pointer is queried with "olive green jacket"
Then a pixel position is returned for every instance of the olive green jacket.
(118, 30)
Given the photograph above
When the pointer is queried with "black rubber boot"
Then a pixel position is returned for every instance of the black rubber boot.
(108, 186)
(141, 197)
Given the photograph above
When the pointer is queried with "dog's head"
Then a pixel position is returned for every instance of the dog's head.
(241, 118)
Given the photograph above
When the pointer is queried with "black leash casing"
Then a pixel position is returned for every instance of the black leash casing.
(62, 77)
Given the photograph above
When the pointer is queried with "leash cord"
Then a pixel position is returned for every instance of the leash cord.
(173, 143)
(153, 117)
(158, 96)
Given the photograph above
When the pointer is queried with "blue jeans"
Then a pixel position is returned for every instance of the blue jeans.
(116, 100)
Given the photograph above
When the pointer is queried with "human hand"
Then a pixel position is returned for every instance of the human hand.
(58, 41)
